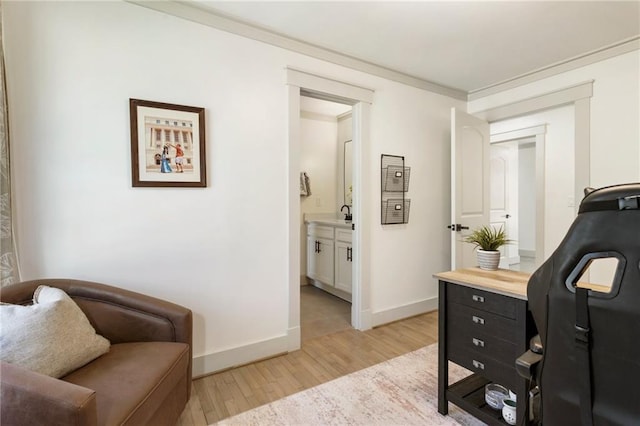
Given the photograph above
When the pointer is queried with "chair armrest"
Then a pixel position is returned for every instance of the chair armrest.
(30, 398)
(527, 363)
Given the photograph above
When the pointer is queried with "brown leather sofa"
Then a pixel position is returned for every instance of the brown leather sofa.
(144, 379)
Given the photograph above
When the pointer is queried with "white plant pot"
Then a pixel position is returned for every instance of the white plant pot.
(488, 260)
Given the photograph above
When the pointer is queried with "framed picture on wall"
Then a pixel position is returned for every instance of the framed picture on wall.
(167, 145)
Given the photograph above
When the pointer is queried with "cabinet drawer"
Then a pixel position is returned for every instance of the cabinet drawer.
(484, 344)
(343, 235)
(463, 319)
(484, 300)
(485, 366)
(320, 231)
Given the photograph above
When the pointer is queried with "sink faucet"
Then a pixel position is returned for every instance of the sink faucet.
(348, 215)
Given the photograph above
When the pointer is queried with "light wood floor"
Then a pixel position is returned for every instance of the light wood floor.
(323, 357)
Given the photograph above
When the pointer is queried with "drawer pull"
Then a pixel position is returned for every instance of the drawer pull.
(478, 364)
(478, 320)
(478, 342)
(477, 298)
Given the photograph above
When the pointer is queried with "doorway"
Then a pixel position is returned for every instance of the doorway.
(300, 83)
(517, 200)
(326, 172)
(512, 206)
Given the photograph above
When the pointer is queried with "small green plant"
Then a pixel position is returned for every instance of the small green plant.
(488, 238)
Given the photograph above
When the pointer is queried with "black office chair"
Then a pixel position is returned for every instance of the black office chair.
(586, 362)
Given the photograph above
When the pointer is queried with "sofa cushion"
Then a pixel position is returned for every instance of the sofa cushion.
(134, 379)
(52, 336)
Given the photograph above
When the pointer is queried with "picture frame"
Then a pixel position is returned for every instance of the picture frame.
(167, 145)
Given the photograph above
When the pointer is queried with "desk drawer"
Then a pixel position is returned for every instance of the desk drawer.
(484, 344)
(465, 320)
(495, 371)
(484, 300)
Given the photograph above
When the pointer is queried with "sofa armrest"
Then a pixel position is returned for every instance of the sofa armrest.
(30, 398)
(119, 315)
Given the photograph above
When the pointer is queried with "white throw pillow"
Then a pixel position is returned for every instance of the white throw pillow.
(53, 336)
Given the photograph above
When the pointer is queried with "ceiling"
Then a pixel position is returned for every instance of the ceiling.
(463, 45)
(319, 106)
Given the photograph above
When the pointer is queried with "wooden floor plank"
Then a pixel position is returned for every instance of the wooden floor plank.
(321, 359)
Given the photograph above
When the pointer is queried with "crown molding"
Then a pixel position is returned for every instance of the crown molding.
(540, 102)
(620, 48)
(192, 12)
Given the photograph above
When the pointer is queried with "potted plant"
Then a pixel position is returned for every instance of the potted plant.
(488, 240)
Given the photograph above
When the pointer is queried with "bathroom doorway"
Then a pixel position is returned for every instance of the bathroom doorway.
(326, 164)
(300, 83)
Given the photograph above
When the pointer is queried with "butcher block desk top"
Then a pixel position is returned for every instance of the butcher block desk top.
(502, 281)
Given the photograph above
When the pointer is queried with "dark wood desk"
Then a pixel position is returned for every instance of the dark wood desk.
(483, 325)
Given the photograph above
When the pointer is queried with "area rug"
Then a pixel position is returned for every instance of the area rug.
(401, 391)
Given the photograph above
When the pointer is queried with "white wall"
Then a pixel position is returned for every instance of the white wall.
(318, 157)
(406, 256)
(615, 114)
(526, 196)
(222, 251)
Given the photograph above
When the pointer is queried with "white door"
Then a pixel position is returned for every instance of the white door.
(469, 184)
(504, 198)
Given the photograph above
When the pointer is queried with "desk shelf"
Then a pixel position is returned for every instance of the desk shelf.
(468, 394)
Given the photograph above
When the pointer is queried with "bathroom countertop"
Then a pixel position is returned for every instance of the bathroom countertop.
(338, 223)
(326, 219)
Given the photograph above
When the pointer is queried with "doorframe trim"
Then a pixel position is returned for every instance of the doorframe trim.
(304, 83)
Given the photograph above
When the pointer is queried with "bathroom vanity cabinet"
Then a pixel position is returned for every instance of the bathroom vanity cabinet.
(343, 259)
(330, 256)
(320, 250)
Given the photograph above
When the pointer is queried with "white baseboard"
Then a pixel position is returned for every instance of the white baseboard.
(294, 338)
(404, 311)
(211, 363)
(331, 289)
(218, 361)
(527, 253)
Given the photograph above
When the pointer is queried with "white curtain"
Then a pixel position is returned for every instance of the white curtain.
(8, 264)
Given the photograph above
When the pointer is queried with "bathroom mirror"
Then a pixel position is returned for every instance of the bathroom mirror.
(348, 173)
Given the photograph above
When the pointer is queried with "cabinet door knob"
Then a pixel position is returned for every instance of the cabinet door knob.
(478, 342)
(478, 320)
(477, 298)
(478, 364)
